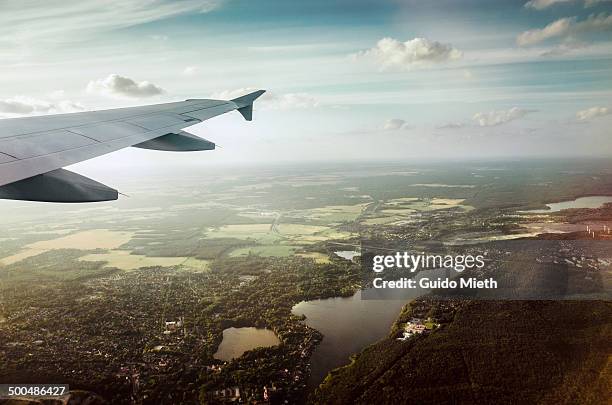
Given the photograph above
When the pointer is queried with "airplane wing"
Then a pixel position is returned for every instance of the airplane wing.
(33, 150)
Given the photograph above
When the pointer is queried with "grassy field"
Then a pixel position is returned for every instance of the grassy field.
(86, 240)
(123, 260)
(319, 258)
(258, 232)
(400, 211)
(330, 214)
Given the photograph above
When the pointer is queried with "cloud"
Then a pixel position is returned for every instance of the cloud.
(61, 19)
(394, 124)
(22, 105)
(555, 29)
(568, 46)
(593, 3)
(451, 125)
(566, 27)
(190, 70)
(467, 74)
(494, 118)
(542, 4)
(592, 112)
(115, 85)
(391, 53)
(271, 100)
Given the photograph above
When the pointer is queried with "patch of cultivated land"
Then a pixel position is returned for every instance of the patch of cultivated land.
(257, 232)
(123, 260)
(331, 213)
(319, 258)
(402, 209)
(86, 240)
(284, 239)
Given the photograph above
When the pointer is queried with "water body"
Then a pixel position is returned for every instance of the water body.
(582, 202)
(347, 254)
(350, 324)
(236, 341)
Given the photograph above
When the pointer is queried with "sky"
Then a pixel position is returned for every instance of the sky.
(350, 80)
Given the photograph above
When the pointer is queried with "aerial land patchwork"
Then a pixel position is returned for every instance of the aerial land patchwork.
(198, 284)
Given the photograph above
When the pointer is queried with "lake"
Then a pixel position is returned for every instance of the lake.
(582, 202)
(236, 341)
(347, 254)
(348, 325)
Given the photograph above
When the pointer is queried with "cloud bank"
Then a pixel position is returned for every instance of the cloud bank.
(566, 27)
(390, 53)
(592, 112)
(116, 85)
(22, 106)
(494, 118)
(394, 124)
(542, 4)
(31, 19)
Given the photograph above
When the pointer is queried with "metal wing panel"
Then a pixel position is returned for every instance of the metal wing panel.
(28, 146)
(20, 126)
(108, 131)
(209, 112)
(6, 158)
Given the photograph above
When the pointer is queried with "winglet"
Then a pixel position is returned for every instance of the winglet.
(245, 104)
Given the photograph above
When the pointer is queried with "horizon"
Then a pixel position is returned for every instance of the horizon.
(345, 80)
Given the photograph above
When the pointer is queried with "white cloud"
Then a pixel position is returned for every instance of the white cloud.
(271, 100)
(22, 105)
(494, 118)
(190, 70)
(394, 124)
(115, 85)
(57, 94)
(452, 125)
(542, 4)
(592, 3)
(555, 29)
(296, 101)
(592, 112)
(391, 53)
(68, 19)
(566, 27)
(568, 46)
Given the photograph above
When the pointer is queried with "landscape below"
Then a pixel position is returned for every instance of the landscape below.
(133, 297)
